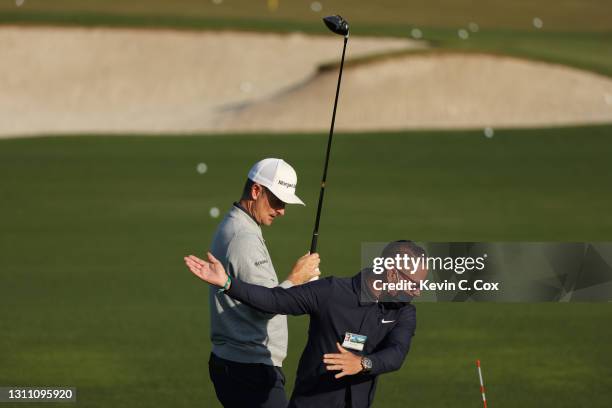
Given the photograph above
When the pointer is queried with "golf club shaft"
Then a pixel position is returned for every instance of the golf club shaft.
(315, 233)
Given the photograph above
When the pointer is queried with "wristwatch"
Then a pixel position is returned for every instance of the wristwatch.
(366, 364)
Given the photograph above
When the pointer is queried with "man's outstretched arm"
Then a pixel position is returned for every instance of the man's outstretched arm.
(298, 300)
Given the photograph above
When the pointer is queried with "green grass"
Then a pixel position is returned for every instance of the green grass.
(93, 232)
(575, 33)
(563, 15)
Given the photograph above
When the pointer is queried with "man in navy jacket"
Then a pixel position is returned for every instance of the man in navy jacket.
(342, 310)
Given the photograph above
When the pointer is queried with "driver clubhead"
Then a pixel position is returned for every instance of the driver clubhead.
(337, 25)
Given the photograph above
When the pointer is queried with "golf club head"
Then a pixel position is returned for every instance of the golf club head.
(337, 24)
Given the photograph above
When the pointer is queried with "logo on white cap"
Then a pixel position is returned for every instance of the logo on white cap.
(278, 177)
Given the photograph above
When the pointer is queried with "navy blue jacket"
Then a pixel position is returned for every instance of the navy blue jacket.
(335, 308)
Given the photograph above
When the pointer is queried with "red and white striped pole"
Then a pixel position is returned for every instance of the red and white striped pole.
(482, 389)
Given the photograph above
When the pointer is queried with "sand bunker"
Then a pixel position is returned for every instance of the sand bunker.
(111, 80)
(438, 91)
(74, 80)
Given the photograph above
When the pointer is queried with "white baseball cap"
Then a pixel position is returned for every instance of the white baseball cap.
(278, 177)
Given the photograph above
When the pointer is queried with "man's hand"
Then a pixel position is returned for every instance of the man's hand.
(306, 268)
(346, 362)
(212, 271)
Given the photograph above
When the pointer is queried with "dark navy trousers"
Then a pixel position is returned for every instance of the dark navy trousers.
(244, 385)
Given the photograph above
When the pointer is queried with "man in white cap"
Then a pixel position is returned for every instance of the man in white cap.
(249, 346)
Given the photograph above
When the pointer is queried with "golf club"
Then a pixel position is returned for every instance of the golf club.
(340, 26)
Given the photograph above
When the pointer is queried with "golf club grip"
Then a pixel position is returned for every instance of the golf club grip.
(313, 244)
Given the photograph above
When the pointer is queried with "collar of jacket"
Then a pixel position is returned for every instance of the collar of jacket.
(241, 208)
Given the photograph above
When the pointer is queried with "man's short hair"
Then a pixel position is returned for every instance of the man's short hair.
(403, 247)
(246, 191)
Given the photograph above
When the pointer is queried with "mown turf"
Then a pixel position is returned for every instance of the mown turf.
(563, 15)
(93, 231)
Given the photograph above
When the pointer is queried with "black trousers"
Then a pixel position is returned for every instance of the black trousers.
(242, 385)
